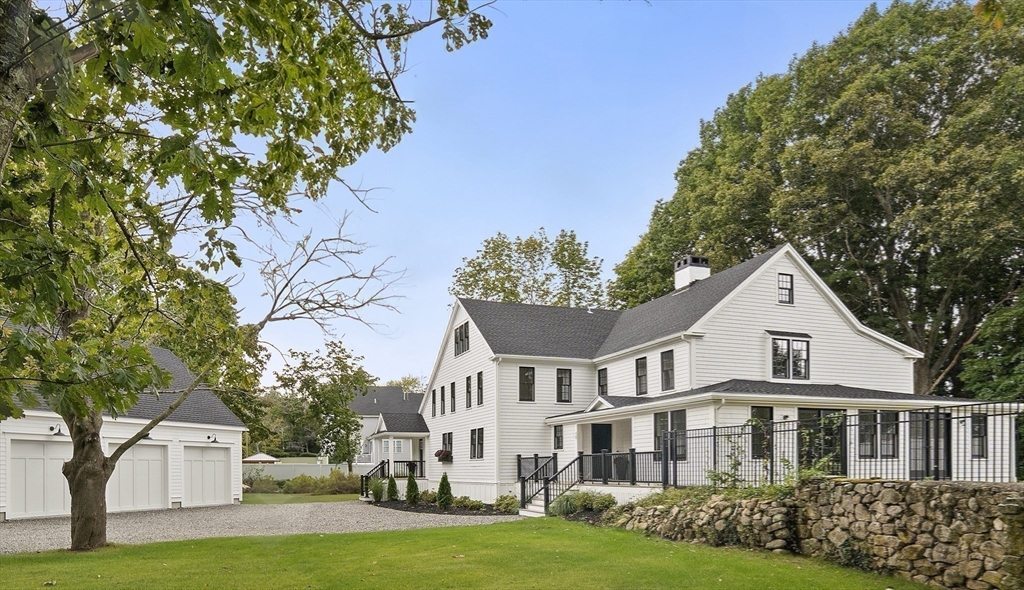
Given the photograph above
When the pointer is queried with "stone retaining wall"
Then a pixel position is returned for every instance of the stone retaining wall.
(954, 535)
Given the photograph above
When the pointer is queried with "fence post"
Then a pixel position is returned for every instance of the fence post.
(536, 465)
(664, 460)
(632, 467)
(935, 443)
(606, 465)
(714, 448)
(844, 453)
(579, 465)
(770, 451)
(554, 463)
(522, 492)
(547, 494)
(519, 466)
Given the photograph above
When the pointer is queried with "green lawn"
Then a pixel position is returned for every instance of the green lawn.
(532, 553)
(295, 498)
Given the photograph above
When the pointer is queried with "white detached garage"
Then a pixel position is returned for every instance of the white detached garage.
(194, 458)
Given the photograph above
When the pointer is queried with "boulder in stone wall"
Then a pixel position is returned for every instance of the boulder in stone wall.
(810, 546)
(951, 578)
(972, 568)
(912, 552)
(838, 536)
(992, 549)
(859, 530)
(861, 512)
(776, 544)
(890, 496)
(1014, 564)
(942, 533)
(925, 540)
(994, 578)
(945, 553)
(926, 567)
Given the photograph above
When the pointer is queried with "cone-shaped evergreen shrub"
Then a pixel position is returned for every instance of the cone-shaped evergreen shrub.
(444, 493)
(412, 491)
(392, 489)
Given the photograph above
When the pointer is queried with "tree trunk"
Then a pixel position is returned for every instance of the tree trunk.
(87, 473)
(15, 81)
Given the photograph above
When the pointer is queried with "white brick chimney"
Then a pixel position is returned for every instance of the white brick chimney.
(691, 268)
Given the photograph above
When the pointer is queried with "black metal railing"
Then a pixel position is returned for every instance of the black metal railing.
(533, 482)
(379, 471)
(402, 468)
(533, 465)
(969, 442)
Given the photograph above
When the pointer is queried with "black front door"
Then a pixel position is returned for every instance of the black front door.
(929, 445)
(600, 440)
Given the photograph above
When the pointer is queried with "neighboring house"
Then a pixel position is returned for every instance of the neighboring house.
(758, 370)
(393, 429)
(193, 458)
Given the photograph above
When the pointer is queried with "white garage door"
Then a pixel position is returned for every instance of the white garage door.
(37, 486)
(207, 476)
(139, 481)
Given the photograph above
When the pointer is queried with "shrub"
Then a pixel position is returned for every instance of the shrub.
(594, 501)
(340, 482)
(251, 474)
(412, 491)
(377, 489)
(392, 489)
(565, 505)
(428, 497)
(264, 485)
(301, 484)
(507, 503)
(466, 503)
(444, 493)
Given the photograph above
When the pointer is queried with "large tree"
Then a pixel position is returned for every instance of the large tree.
(129, 127)
(892, 158)
(534, 270)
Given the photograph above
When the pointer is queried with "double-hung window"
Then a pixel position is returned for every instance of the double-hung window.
(433, 403)
(387, 447)
(877, 434)
(677, 421)
(398, 446)
(461, 338)
(641, 376)
(668, 370)
(453, 396)
(791, 358)
(785, 288)
(480, 388)
(979, 436)
(563, 382)
(476, 443)
(660, 427)
(469, 392)
(889, 430)
(526, 384)
(442, 400)
(602, 382)
(558, 437)
(446, 442)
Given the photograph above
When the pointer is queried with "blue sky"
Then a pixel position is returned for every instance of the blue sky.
(573, 114)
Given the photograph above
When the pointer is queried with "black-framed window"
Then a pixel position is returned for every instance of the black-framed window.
(461, 338)
(889, 434)
(760, 420)
(677, 422)
(791, 359)
(469, 391)
(559, 440)
(867, 434)
(442, 400)
(979, 436)
(641, 376)
(453, 396)
(446, 442)
(563, 384)
(476, 443)
(785, 288)
(602, 382)
(660, 426)
(480, 388)
(433, 403)
(668, 370)
(527, 378)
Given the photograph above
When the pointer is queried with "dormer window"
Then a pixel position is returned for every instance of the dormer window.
(461, 338)
(785, 288)
(791, 358)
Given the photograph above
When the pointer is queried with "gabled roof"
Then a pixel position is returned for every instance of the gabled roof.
(201, 407)
(402, 423)
(775, 388)
(386, 400)
(679, 310)
(541, 330)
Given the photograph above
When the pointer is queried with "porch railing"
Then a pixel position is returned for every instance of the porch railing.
(402, 468)
(533, 465)
(379, 471)
(533, 482)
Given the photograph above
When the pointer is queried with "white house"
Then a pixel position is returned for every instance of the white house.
(393, 429)
(193, 458)
(758, 370)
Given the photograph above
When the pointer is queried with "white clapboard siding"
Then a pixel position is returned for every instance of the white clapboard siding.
(622, 369)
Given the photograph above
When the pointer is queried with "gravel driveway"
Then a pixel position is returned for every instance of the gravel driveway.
(230, 521)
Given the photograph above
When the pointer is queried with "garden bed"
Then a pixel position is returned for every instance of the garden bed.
(488, 509)
(586, 517)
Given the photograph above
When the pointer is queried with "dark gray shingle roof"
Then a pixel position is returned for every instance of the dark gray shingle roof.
(404, 423)
(201, 407)
(386, 400)
(540, 330)
(680, 309)
(543, 330)
(774, 388)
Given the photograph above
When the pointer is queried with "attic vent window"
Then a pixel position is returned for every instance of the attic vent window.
(461, 339)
